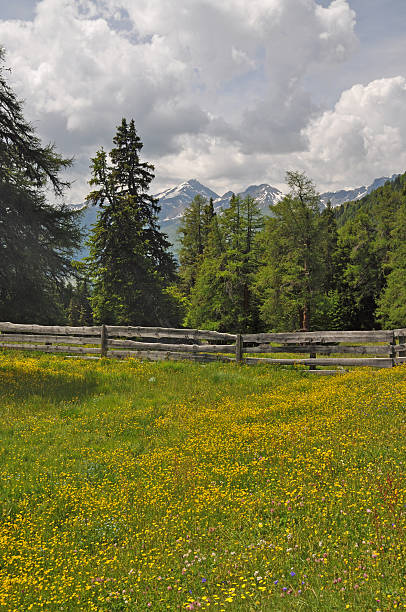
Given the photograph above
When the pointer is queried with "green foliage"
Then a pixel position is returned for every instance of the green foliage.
(310, 268)
(222, 298)
(193, 235)
(129, 263)
(391, 310)
(371, 239)
(37, 239)
(292, 277)
(79, 309)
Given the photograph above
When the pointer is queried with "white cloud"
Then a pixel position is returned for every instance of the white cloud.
(216, 89)
(364, 135)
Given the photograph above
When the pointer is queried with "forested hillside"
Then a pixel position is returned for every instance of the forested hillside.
(372, 239)
(306, 267)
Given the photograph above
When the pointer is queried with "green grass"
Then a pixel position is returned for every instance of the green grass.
(181, 486)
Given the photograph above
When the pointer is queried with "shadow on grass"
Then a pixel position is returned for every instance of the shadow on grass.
(21, 382)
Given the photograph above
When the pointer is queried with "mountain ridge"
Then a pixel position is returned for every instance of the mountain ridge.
(174, 200)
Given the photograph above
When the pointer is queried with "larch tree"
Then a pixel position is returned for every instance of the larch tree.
(193, 235)
(37, 238)
(222, 298)
(291, 277)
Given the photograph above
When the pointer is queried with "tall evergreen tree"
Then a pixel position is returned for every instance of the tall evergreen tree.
(328, 310)
(291, 279)
(222, 297)
(37, 239)
(391, 311)
(193, 234)
(129, 263)
(371, 243)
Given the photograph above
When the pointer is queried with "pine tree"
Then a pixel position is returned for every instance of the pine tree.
(129, 263)
(37, 239)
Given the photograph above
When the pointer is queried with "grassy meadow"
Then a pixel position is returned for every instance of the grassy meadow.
(181, 486)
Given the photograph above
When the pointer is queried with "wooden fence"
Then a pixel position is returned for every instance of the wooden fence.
(382, 349)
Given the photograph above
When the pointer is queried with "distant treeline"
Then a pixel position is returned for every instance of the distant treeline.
(302, 267)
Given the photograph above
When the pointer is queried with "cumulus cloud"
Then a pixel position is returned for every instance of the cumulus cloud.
(364, 135)
(212, 86)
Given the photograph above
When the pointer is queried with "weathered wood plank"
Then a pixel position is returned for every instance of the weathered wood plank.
(340, 361)
(163, 332)
(189, 348)
(401, 347)
(49, 329)
(326, 372)
(399, 332)
(93, 357)
(321, 337)
(400, 360)
(171, 356)
(46, 348)
(321, 349)
(44, 338)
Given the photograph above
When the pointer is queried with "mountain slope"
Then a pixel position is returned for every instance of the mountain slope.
(174, 200)
(339, 197)
(387, 197)
(264, 194)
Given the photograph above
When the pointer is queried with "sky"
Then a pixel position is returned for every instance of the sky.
(231, 93)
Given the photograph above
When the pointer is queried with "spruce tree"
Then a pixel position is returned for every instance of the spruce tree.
(129, 263)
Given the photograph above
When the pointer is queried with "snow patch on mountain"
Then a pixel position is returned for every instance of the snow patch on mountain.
(174, 200)
(264, 194)
(339, 197)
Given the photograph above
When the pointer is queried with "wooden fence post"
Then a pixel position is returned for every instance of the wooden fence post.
(103, 341)
(239, 348)
(394, 354)
(401, 340)
(312, 356)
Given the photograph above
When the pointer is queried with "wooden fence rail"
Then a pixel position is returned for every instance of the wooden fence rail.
(382, 349)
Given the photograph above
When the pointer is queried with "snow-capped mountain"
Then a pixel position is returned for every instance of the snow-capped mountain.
(174, 200)
(264, 194)
(222, 201)
(339, 197)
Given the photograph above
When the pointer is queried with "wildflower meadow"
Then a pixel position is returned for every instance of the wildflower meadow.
(179, 486)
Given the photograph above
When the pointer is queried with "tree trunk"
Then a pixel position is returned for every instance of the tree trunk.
(305, 318)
